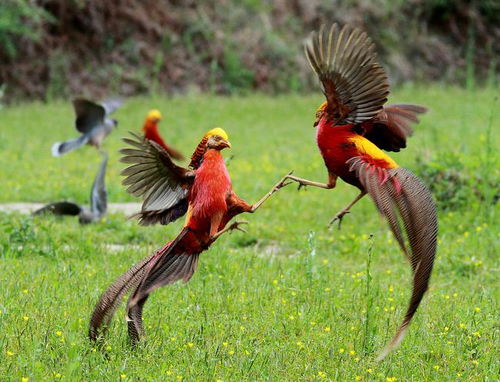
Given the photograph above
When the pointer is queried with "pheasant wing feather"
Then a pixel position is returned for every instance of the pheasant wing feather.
(354, 84)
(153, 176)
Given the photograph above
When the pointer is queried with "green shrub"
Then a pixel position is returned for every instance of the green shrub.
(452, 184)
(20, 18)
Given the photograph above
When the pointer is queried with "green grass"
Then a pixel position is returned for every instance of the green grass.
(289, 300)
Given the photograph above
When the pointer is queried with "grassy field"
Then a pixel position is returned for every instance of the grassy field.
(289, 300)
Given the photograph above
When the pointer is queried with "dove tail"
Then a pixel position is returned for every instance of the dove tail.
(60, 148)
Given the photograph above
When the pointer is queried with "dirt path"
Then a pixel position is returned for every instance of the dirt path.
(27, 208)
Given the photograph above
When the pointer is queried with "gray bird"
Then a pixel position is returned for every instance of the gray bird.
(98, 201)
(92, 122)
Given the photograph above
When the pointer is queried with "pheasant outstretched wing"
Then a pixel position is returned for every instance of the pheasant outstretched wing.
(153, 176)
(354, 84)
(390, 128)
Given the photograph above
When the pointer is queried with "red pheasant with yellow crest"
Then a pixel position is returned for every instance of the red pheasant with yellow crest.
(353, 127)
(204, 194)
(150, 129)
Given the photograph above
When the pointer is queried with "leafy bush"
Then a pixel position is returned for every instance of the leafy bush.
(54, 48)
(20, 19)
(452, 184)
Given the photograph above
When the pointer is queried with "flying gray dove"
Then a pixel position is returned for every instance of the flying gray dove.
(98, 201)
(92, 122)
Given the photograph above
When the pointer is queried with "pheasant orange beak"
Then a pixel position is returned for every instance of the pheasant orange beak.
(224, 144)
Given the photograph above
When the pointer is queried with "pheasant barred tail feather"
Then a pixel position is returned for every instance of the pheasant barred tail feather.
(355, 85)
(169, 266)
(175, 267)
(400, 195)
(111, 298)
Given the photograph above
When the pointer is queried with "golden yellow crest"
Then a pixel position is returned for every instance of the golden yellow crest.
(154, 114)
(217, 131)
(322, 107)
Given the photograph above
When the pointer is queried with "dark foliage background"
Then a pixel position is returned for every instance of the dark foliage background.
(55, 48)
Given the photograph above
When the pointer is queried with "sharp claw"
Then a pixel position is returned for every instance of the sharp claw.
(236, 226)
(338, 217)
(281, 185)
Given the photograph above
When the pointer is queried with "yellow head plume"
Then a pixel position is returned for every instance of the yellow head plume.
(217, 131)
(322, 106)
(154, 114)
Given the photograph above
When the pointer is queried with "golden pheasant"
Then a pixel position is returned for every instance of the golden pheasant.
(169, 191)
(150, 129)
(353, 127)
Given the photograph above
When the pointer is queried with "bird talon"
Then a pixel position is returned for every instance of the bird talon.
(236, 226)
(338, 217)
(281, 185)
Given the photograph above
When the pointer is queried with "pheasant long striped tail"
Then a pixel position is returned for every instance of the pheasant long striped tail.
(401, 196)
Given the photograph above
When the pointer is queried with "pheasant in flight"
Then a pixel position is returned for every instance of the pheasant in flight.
(353, 127)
